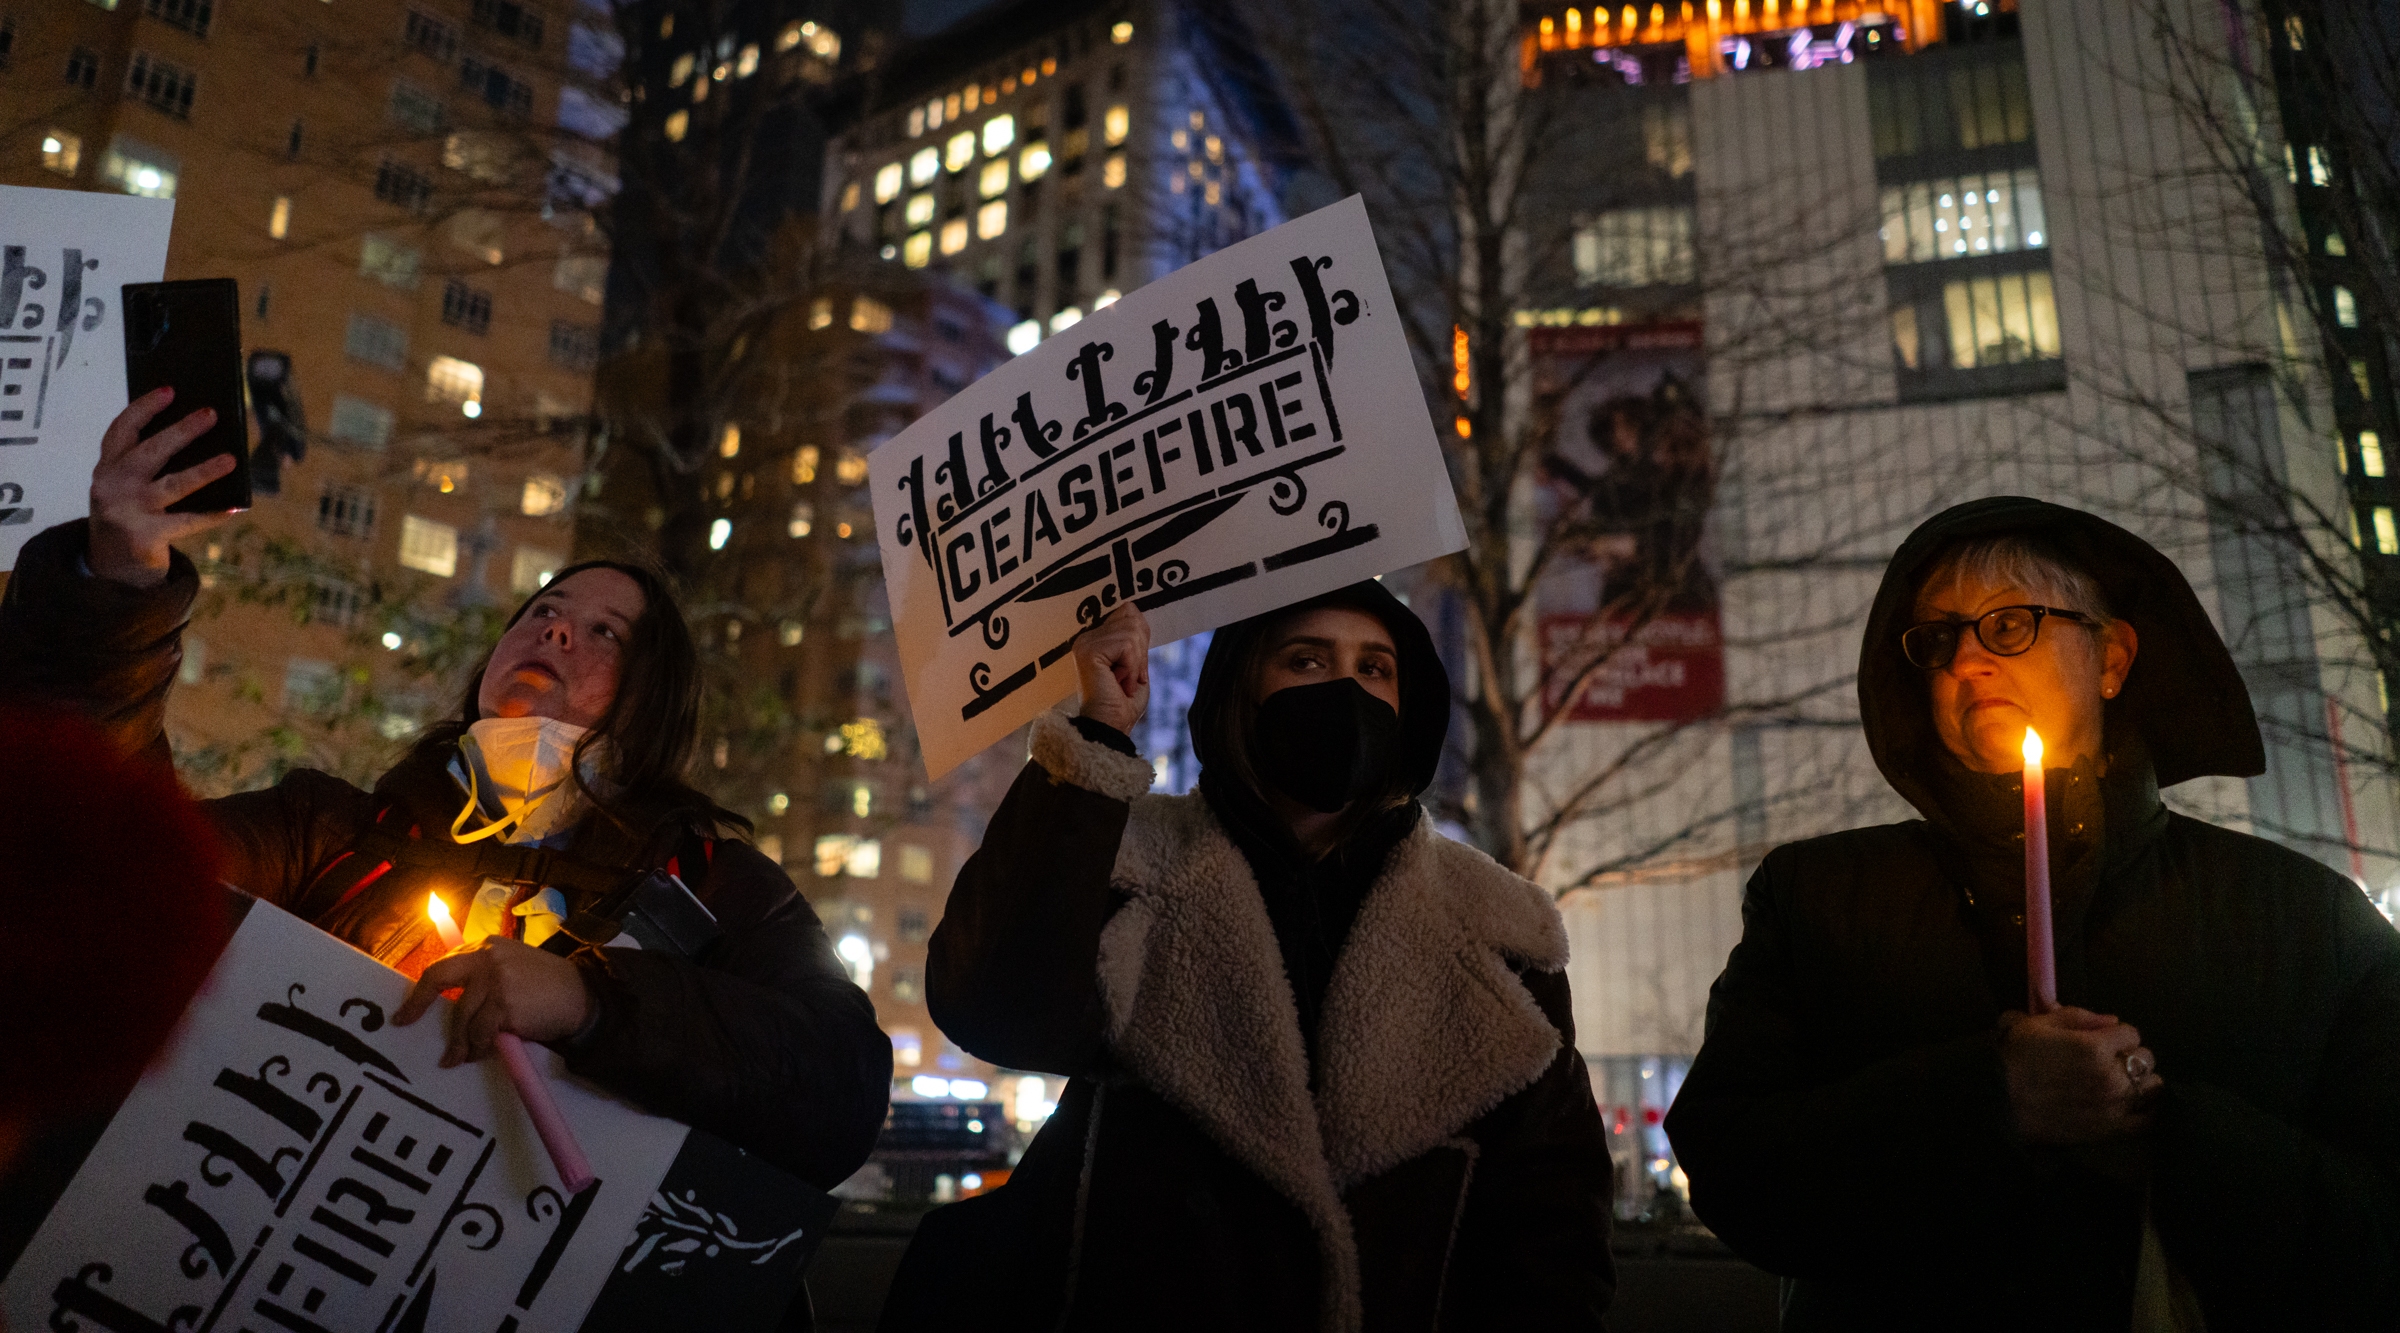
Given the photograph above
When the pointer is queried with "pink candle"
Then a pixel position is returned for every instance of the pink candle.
(566, 1154)
(2041, 955)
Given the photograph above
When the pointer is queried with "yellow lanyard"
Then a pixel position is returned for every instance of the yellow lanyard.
(497, 826)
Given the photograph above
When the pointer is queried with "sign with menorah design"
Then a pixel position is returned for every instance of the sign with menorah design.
(1238, 435)
(63, 256)
(295, 1163)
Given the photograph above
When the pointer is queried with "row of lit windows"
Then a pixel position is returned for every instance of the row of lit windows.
(939, 111)
(431, 547)
(1969, 215)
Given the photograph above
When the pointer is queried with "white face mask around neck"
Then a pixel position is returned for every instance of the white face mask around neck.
(521, 763)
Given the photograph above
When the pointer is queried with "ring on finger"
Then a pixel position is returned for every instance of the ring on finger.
(2138, 1065)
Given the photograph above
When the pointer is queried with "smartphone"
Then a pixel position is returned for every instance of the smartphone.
(189, 335)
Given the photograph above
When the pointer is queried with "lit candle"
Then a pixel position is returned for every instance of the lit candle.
(2041, 953)
(574, 1169)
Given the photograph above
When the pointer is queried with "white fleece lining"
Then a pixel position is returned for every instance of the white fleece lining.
(1425, 1029)
(1067, 757)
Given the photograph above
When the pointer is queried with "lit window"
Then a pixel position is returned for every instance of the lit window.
(532, 567)
(916, 863)
(858, 959)
(2345, 307)
(1034, 161)
(1066, 319)
(1121, 33)
(851, 468)
(139, 170)
(863, 738)
(2320, 165)
(544, 495)
(925, 165)
(729, 444)
(1181, 140)
(677, 123)
(1112, 172)
(802, 522)
(998, 133)
(867, 315)
(849, 196)
(887, 182)
(919, 211)
(862, 804)
(954, 236)
(279, 218)
(719, 533)
(804, 465)
(450, 380)
(994, 181)
(959, 151)
(917, 250)
(2370, 453)
(680, 70)
(1968, 215)
(1116, 123)
(916, 121)
(908, 1049)
(1024, 337)
(444, 475)
(1107, 298)
(820, 312)
(991, 220)
(790, 633)
(747, 65)
(2387, 536)
(428, 546)
(1215, 148)
(61, 151)
(1635, 247)
(2000, 321)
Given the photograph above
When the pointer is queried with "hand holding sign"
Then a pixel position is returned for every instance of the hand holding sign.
(131, 528)
(1233, 437)
(1112, 664)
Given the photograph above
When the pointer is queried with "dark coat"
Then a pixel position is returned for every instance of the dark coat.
(761, 1040)
(1439, 1163)
(1846, 1123)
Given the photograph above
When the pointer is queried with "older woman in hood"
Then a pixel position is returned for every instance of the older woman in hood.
(1323, 1073)
(2200, 1136)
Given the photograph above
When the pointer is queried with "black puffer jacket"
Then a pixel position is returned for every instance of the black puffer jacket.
(1846, 1123)
(1429, 1156)
(762, 1040)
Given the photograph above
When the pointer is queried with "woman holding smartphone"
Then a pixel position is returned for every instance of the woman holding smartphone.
(558, 781)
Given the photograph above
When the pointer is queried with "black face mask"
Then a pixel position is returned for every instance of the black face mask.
(1325, 745)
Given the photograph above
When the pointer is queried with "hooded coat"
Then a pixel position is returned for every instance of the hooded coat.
(761, 1039)
(1329, 1095)
(1847, 1124)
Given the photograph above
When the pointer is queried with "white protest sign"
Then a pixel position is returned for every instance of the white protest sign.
(63, 255)
(295, 1161)
(1238, 435)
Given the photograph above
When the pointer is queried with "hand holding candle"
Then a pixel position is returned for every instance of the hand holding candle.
(574, 1169)
(2041, 955)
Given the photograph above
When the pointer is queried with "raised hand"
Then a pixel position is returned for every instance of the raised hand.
(131, 528)
(1112, 663)
(2076, 1077)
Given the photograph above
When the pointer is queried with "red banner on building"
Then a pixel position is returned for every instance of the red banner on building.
(1629, 620)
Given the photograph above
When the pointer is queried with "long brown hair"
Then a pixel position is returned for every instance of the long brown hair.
(651, 726)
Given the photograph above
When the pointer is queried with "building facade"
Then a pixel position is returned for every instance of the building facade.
(1932, 252)
(402, 192)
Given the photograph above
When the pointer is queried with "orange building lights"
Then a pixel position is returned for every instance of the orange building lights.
(1704, 29)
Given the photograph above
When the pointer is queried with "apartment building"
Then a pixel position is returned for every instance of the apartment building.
(402, 192)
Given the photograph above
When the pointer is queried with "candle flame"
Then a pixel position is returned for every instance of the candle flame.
(443, 926)
(2033, 746)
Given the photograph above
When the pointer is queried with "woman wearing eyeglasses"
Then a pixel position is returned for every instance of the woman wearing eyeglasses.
(2201, 1136)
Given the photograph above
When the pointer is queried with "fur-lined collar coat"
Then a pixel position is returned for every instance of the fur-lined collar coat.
(1448, 1110)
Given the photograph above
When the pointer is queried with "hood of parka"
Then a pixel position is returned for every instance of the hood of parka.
(2184, 699)
(1424, 684)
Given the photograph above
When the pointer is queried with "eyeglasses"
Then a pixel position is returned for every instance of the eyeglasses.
(2004, 632)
